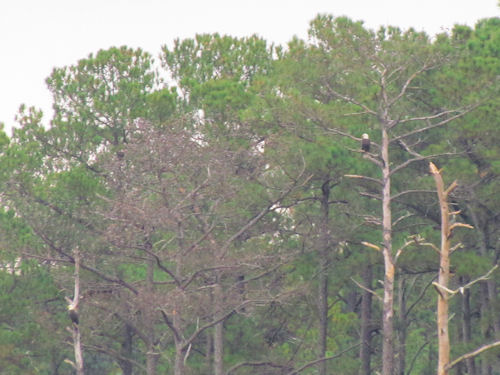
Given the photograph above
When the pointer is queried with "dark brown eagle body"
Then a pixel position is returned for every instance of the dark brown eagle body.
(365, 143)
(73, 315)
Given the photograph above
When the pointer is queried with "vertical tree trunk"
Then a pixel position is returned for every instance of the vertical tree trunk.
(444, 273)
(323, 255)
(126, 350)
(490, 283)
(366, 326)
(209, 346)
(484, 308)
(218, 332)
(401, 363)
(151, 354)
(389, 268)
(467, 329)
(78, 351)
(176, 316)
(322, 314)
(179, 359)
(75, 326)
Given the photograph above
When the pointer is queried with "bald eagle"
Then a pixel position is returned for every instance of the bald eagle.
(365, 142)
(73, 314)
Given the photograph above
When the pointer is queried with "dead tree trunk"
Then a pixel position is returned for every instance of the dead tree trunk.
(444, 272)
(389, 268)
(75, 326)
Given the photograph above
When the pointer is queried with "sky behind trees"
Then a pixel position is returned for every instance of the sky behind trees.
(38, 36)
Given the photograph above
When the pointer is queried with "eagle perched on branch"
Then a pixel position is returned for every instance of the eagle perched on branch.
(365, 142)
(73, 314)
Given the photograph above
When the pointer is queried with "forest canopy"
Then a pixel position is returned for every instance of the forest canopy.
(213, 211)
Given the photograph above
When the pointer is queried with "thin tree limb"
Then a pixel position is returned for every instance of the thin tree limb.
(366, 289)
(256, 364)
(396, 196)
(316, 361)
(432, 126)
(377, 180)
(472, 354)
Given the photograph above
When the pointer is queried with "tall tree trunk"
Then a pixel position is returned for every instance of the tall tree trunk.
(389, 268)
(151, 354)
(176, 316)
(218, 332)
(209, 348)
(467, 328)
(444, 273)
(402, 331)
(485, 365)
(179, 359)
(366, 325)
(490, 283)
(178, 343)
(126, 350)
(323, 255)
(75, 326)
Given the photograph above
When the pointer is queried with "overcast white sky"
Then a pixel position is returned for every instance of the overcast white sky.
(37, 35)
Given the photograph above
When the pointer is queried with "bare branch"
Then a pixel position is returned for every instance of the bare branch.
(351, 100)
(460, 113)
(258, 216)
(115, 354)
(410, 79)
(221, 318)
(472, 354)
(398, 220)
(405, 245)
(431, 245)
(463, 225)
(420, 296)
(420, 158)
(370, 195)
(452, 187)
(170, 325)
(377, 180)
(71, 259)
(347, 135)
(367, 289)
(398, 195)
(316, 361)
(468, 285)
(374, 159)
(256, 364)
(485, 277)
(370, 245)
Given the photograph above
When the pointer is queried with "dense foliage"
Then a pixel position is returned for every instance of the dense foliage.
(227, 220)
